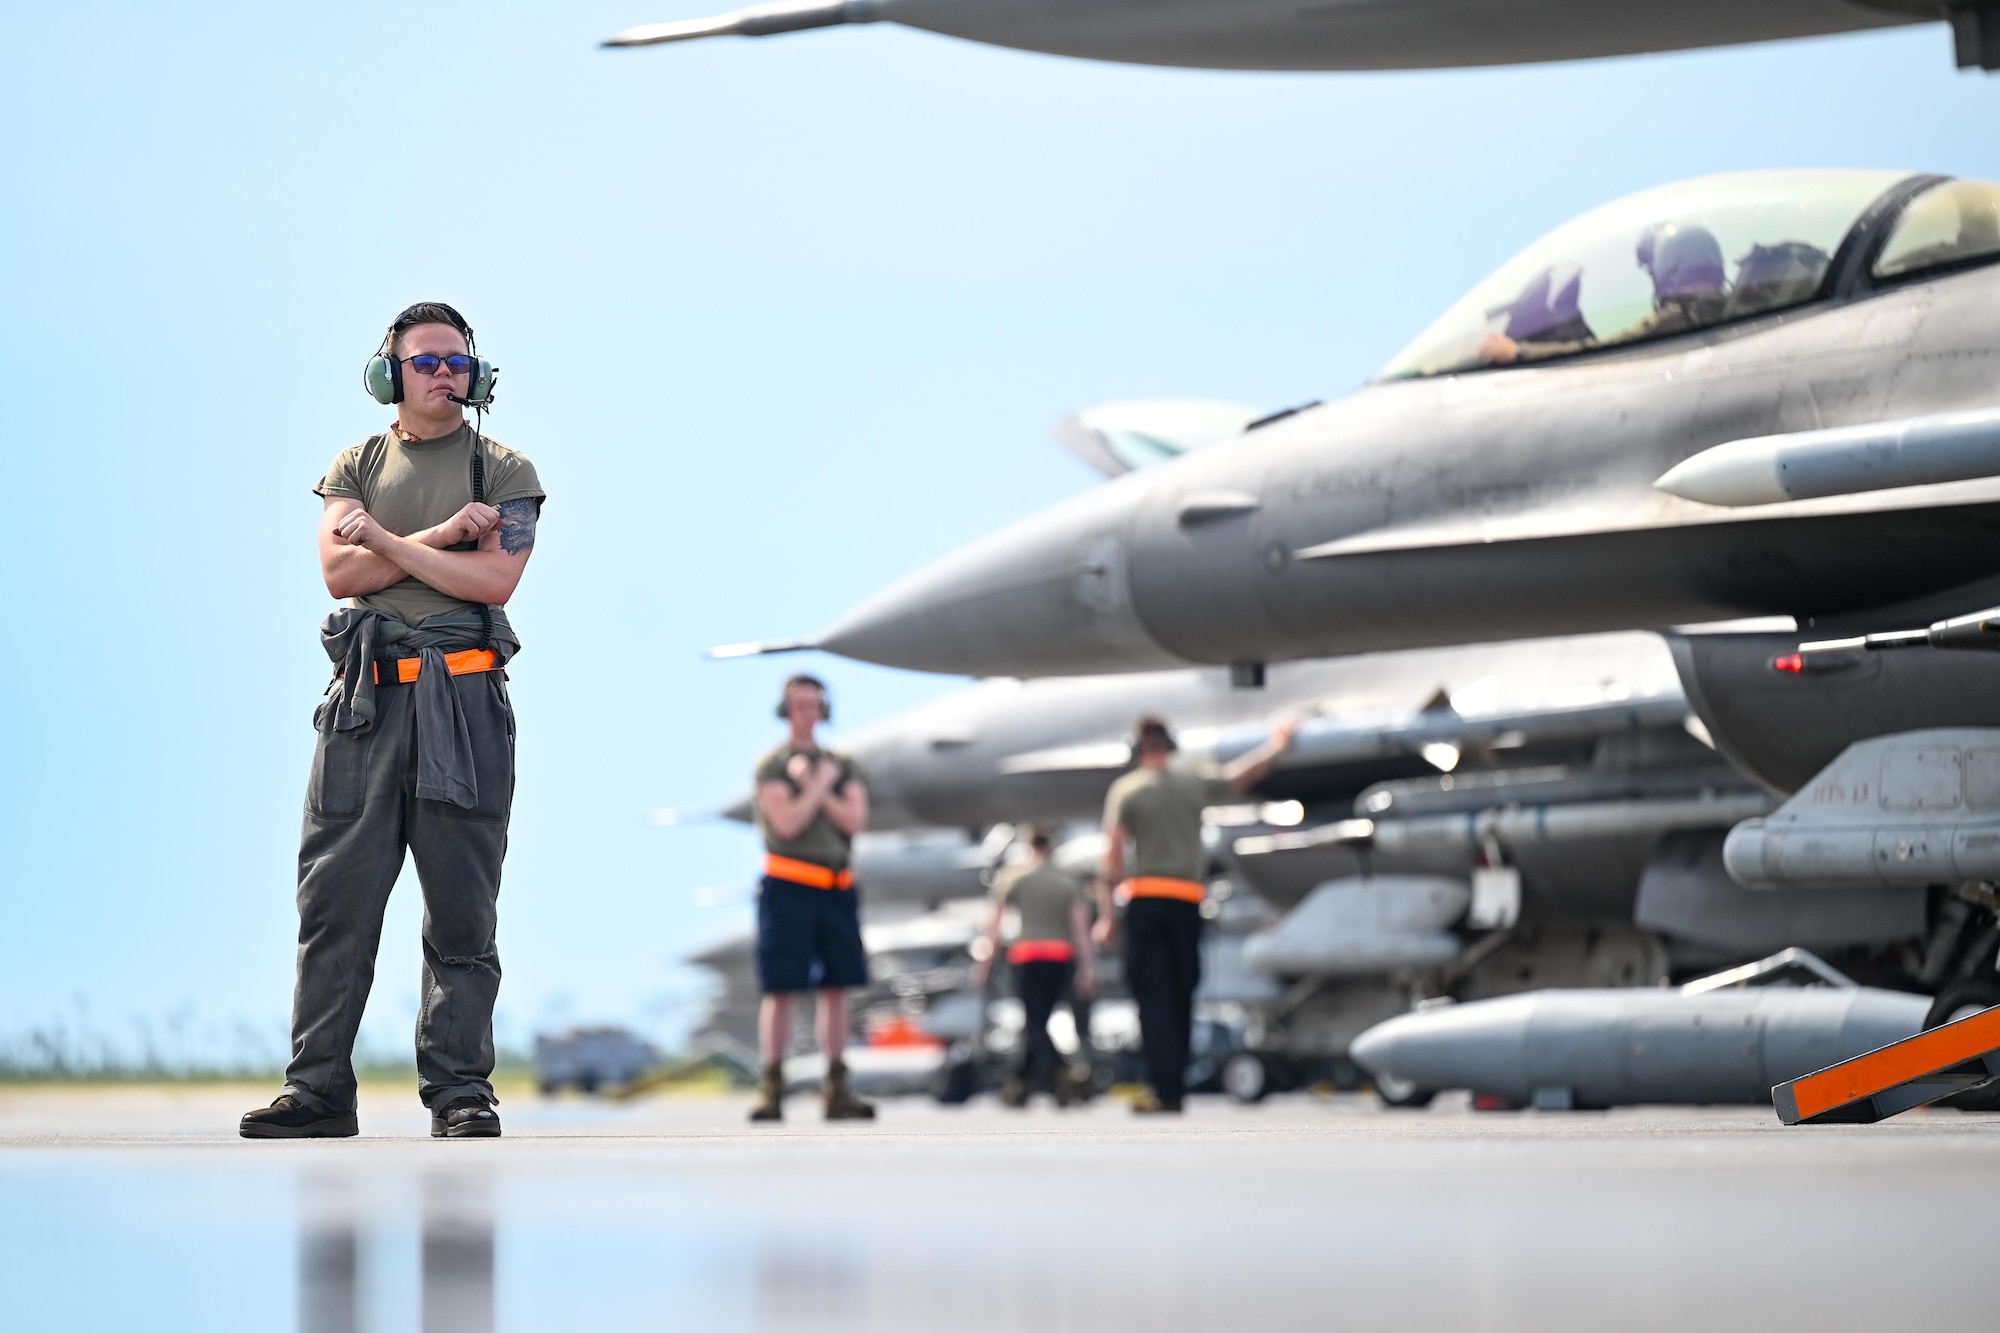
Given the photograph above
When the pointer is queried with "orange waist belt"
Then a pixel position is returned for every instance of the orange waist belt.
(1041, 951)
(806, 873)
(459, 664)
(1161, 886)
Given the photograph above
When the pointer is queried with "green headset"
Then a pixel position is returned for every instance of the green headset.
(383, 378)
(825, 699)
(383, 375)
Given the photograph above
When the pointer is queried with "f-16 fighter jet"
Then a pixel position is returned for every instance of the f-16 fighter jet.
(1507, 474)
(1467, 821)
(1349, 34)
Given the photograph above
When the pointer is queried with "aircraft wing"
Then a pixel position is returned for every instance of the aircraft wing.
(737, 811)
(756, 21)
(764, 648)
(1090, 757)
(1334, 740)
(1431, 732)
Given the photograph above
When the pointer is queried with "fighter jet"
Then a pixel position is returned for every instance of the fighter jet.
(950, 779)
(1346, 34)
(1012, 751)
(1502, 477)
(1468, 821)
(1574, 761)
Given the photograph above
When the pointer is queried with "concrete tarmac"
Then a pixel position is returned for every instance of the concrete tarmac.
(143, 1209)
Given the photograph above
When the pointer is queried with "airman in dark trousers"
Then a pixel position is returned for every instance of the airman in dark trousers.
(1159, 812)
(1052, 960)
(427, 528)
(810, 804)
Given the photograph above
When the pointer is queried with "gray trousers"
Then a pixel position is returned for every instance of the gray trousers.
(361, 815)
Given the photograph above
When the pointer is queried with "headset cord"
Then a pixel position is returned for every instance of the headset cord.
(479, 497)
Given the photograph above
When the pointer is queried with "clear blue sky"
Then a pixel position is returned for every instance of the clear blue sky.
(778, 320)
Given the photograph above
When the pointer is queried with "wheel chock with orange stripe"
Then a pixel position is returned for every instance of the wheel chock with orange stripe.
(1900, 1077)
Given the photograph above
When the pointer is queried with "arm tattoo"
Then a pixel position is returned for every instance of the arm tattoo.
(517, 527)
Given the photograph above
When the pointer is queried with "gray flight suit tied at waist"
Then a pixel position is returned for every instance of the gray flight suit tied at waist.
(355, 639)
(423, 771)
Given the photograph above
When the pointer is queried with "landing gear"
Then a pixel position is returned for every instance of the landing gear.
(1245, 1077)
(960, 1082)
(1962, 999)
(1402, 1094)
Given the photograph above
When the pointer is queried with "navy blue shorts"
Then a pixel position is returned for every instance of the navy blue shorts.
(808, 939)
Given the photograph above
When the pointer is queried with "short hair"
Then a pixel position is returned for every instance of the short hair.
(429, 312)
(805, 680)
(1038, 838)
(1151, 733)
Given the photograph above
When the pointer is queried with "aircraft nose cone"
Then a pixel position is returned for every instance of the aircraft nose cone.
(1047, 596)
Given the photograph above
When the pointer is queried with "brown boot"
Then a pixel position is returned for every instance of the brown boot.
(840, 1103)
(770, 1094)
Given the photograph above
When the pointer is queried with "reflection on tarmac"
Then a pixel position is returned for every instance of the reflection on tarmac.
(330, 1292)
(801, 1278)
(1298, 1214)
(456, 1269)
(458, 1254)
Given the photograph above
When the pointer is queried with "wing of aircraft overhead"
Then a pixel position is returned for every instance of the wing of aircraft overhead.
(1285, 34)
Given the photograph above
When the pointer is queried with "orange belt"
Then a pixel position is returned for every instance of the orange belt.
(806, 873)
(459, 664)
(1041, 951)
(1161, 886)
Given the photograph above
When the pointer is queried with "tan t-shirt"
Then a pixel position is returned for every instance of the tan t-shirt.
(1162, 812)
(820, 842)
(1042, 895)
(408, 487)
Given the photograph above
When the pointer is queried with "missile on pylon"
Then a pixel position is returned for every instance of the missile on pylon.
(1364, 927)
(1846, 460)
(1565, 1049)
(924, 865)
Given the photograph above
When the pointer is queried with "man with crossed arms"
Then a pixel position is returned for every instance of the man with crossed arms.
(810, 804)
(415, 753)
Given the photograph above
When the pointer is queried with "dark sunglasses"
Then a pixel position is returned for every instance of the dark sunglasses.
(426, 364)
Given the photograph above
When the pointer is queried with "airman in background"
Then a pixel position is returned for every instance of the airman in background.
(1052, 960)
(1158, 811)
(810, 804)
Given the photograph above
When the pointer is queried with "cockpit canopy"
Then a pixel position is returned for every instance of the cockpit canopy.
(1693, 254)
